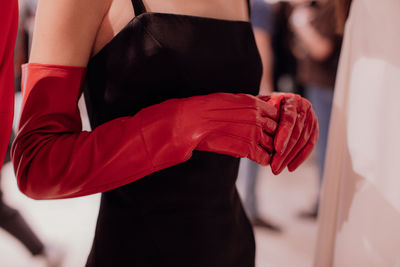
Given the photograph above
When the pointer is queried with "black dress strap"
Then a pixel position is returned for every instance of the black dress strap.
(138, 7)
(249, 8)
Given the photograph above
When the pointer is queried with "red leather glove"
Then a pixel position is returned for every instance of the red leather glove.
(8, 33)
(297, 132)
(53, 158)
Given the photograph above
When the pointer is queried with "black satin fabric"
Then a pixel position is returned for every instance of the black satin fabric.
(189, 214)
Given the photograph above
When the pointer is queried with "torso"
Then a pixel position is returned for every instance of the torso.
(189, 214)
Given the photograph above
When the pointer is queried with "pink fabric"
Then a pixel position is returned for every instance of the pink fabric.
(360, 208)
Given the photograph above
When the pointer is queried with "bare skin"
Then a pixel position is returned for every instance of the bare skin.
(70, 32)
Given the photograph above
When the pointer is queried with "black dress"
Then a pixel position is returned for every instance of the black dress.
(190, 214)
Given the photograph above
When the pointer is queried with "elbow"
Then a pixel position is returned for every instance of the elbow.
(37, 189)
(32, 187)
(33, 181)
(30, 192)
(36, 183)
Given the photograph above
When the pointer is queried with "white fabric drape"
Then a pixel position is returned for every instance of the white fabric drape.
(359, 221)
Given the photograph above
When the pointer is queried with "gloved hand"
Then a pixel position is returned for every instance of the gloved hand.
(297, 132)
(238, 125)
(53, 158)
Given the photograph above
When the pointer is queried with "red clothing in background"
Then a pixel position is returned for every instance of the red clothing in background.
(8, 33)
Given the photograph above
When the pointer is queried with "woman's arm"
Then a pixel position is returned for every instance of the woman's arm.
(65, 31)
(54, 158)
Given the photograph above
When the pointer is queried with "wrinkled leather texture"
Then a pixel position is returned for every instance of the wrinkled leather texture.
(53, 158)
(238, 125)
(297, 132)
(8, 29)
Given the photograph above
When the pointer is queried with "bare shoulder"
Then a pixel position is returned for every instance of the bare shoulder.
(65, 30)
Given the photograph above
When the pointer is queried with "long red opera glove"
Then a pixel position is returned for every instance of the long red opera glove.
(53, 158)
(297, 132)
(8, 33)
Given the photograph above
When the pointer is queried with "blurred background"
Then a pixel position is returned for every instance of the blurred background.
(299, 50)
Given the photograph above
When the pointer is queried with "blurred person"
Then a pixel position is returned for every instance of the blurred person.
(316, 46)
(262, 21)
(168, 88)
(360, 206)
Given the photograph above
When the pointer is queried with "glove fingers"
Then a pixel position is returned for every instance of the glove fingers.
(266, 142)
(268, 110)
(275, 99)
(312, 124)
(277, 164)
(269, 126)
(260, 156)
(287, 120)
(261, 151)
(302, 141)
(305, 152)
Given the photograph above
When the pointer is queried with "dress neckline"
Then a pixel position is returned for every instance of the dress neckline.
(146, 14)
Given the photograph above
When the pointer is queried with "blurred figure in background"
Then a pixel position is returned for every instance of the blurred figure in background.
(262, 21)
(316, 47)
